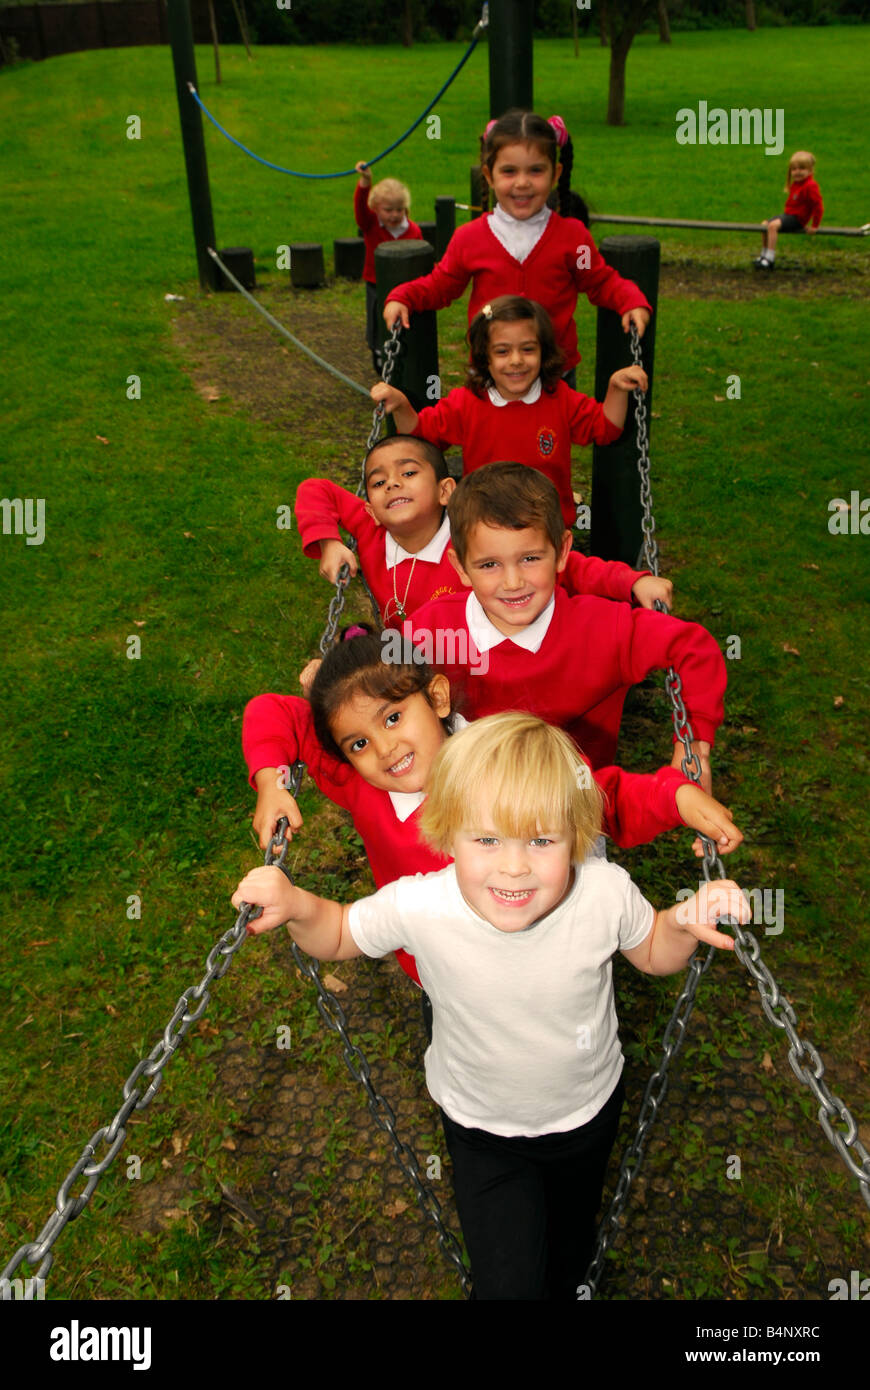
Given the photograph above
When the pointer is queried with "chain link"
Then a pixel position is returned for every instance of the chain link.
(776, 1007)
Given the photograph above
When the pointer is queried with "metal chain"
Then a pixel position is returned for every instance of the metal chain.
(333, 1015)
(139, 1090)
(336, 604)
(775, 1005)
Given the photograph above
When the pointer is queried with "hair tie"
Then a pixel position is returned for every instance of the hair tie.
(489, 127)
(355, 631)
(560, 130)
(487, 311)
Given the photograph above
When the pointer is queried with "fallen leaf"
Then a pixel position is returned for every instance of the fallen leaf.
(335, 984)
(767, 1062)
(395, 1208)
(165, 1163)
(177, 1144)
(718, 398)
(188, 535)
(838, 702)
(793, 651)
(748, 729)
(174, 1213)
(777, 790)
(110, 1009)
(102, 438)
(139, 622)
(229, 1144)
(809, 567)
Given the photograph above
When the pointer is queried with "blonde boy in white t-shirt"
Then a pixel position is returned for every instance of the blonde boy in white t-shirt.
(513, 943)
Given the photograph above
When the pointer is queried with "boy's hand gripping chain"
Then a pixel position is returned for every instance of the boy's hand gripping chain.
(775, 1005)
(336, 603)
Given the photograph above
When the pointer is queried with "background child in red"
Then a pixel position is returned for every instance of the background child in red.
(803, 209)
(523, 247)
(381, 215)
(515, 404)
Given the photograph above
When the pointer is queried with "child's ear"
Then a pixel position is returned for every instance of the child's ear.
(369, 512)
(457, 565)
(446, 488)
(487, 174)
(439, 695)
(565, 551)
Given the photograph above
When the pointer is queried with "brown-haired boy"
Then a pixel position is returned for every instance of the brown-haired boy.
(569, 660)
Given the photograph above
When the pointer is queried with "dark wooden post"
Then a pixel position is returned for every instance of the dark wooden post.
(479, 191)
(445, 224)
(181, 38)
(416, 370)
(510, 38)
(616, 509)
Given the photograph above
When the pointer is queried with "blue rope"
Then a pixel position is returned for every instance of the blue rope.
(342, 173)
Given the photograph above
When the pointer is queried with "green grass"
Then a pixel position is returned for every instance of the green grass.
(125, 777)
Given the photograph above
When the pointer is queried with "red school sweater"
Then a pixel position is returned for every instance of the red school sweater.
(805, 201)
(279, 729)
(579, 677)
(373, 233)
(540, 434)
(323, 506)
(549, 274)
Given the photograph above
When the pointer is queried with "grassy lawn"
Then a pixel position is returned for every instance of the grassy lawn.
(124, 776)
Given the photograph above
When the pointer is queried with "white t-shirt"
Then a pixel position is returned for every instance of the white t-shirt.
(525, 1035)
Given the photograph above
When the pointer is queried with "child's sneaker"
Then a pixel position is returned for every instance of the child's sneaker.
(762, 263)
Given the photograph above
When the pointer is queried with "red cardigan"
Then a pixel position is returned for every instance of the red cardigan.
(373, 233)
(540, 434)
(550, 274)
(805, 201)
(323, 506)
(278, 729)
(578, 679)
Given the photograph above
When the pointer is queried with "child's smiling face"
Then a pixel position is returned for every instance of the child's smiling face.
(512, 883)
(512, 573)
(402, 490)
(513, 357)
(521, 178)
(392, 743)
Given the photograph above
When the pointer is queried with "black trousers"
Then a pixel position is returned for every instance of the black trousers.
(527, 1205)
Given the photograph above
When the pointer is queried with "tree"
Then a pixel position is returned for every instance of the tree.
(664, 22)
(626, 17)
(750, 14)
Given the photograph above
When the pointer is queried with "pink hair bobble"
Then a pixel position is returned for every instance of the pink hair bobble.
(560, 129)
(489, 127)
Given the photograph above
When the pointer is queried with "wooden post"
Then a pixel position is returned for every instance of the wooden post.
(184, 63)
(416, 371)
(616, 509)
(479, 191)
(510, 38)
(445, 224)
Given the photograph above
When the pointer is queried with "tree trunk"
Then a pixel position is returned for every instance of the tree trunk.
(243, 28)
(664, 22)
(603, 24)
(616, 93)
(750, 14)
(574, 27)
(408, 25)
(214, 39)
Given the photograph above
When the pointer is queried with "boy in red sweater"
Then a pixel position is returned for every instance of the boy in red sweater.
(803, 209)
(569, 660)
(381, 215)
(403, 535)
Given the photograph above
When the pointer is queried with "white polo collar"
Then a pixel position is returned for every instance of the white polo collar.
(396, 232)
(533, 394)
(432, 551)
(486, 635)
(518, 236)
(406, 803)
